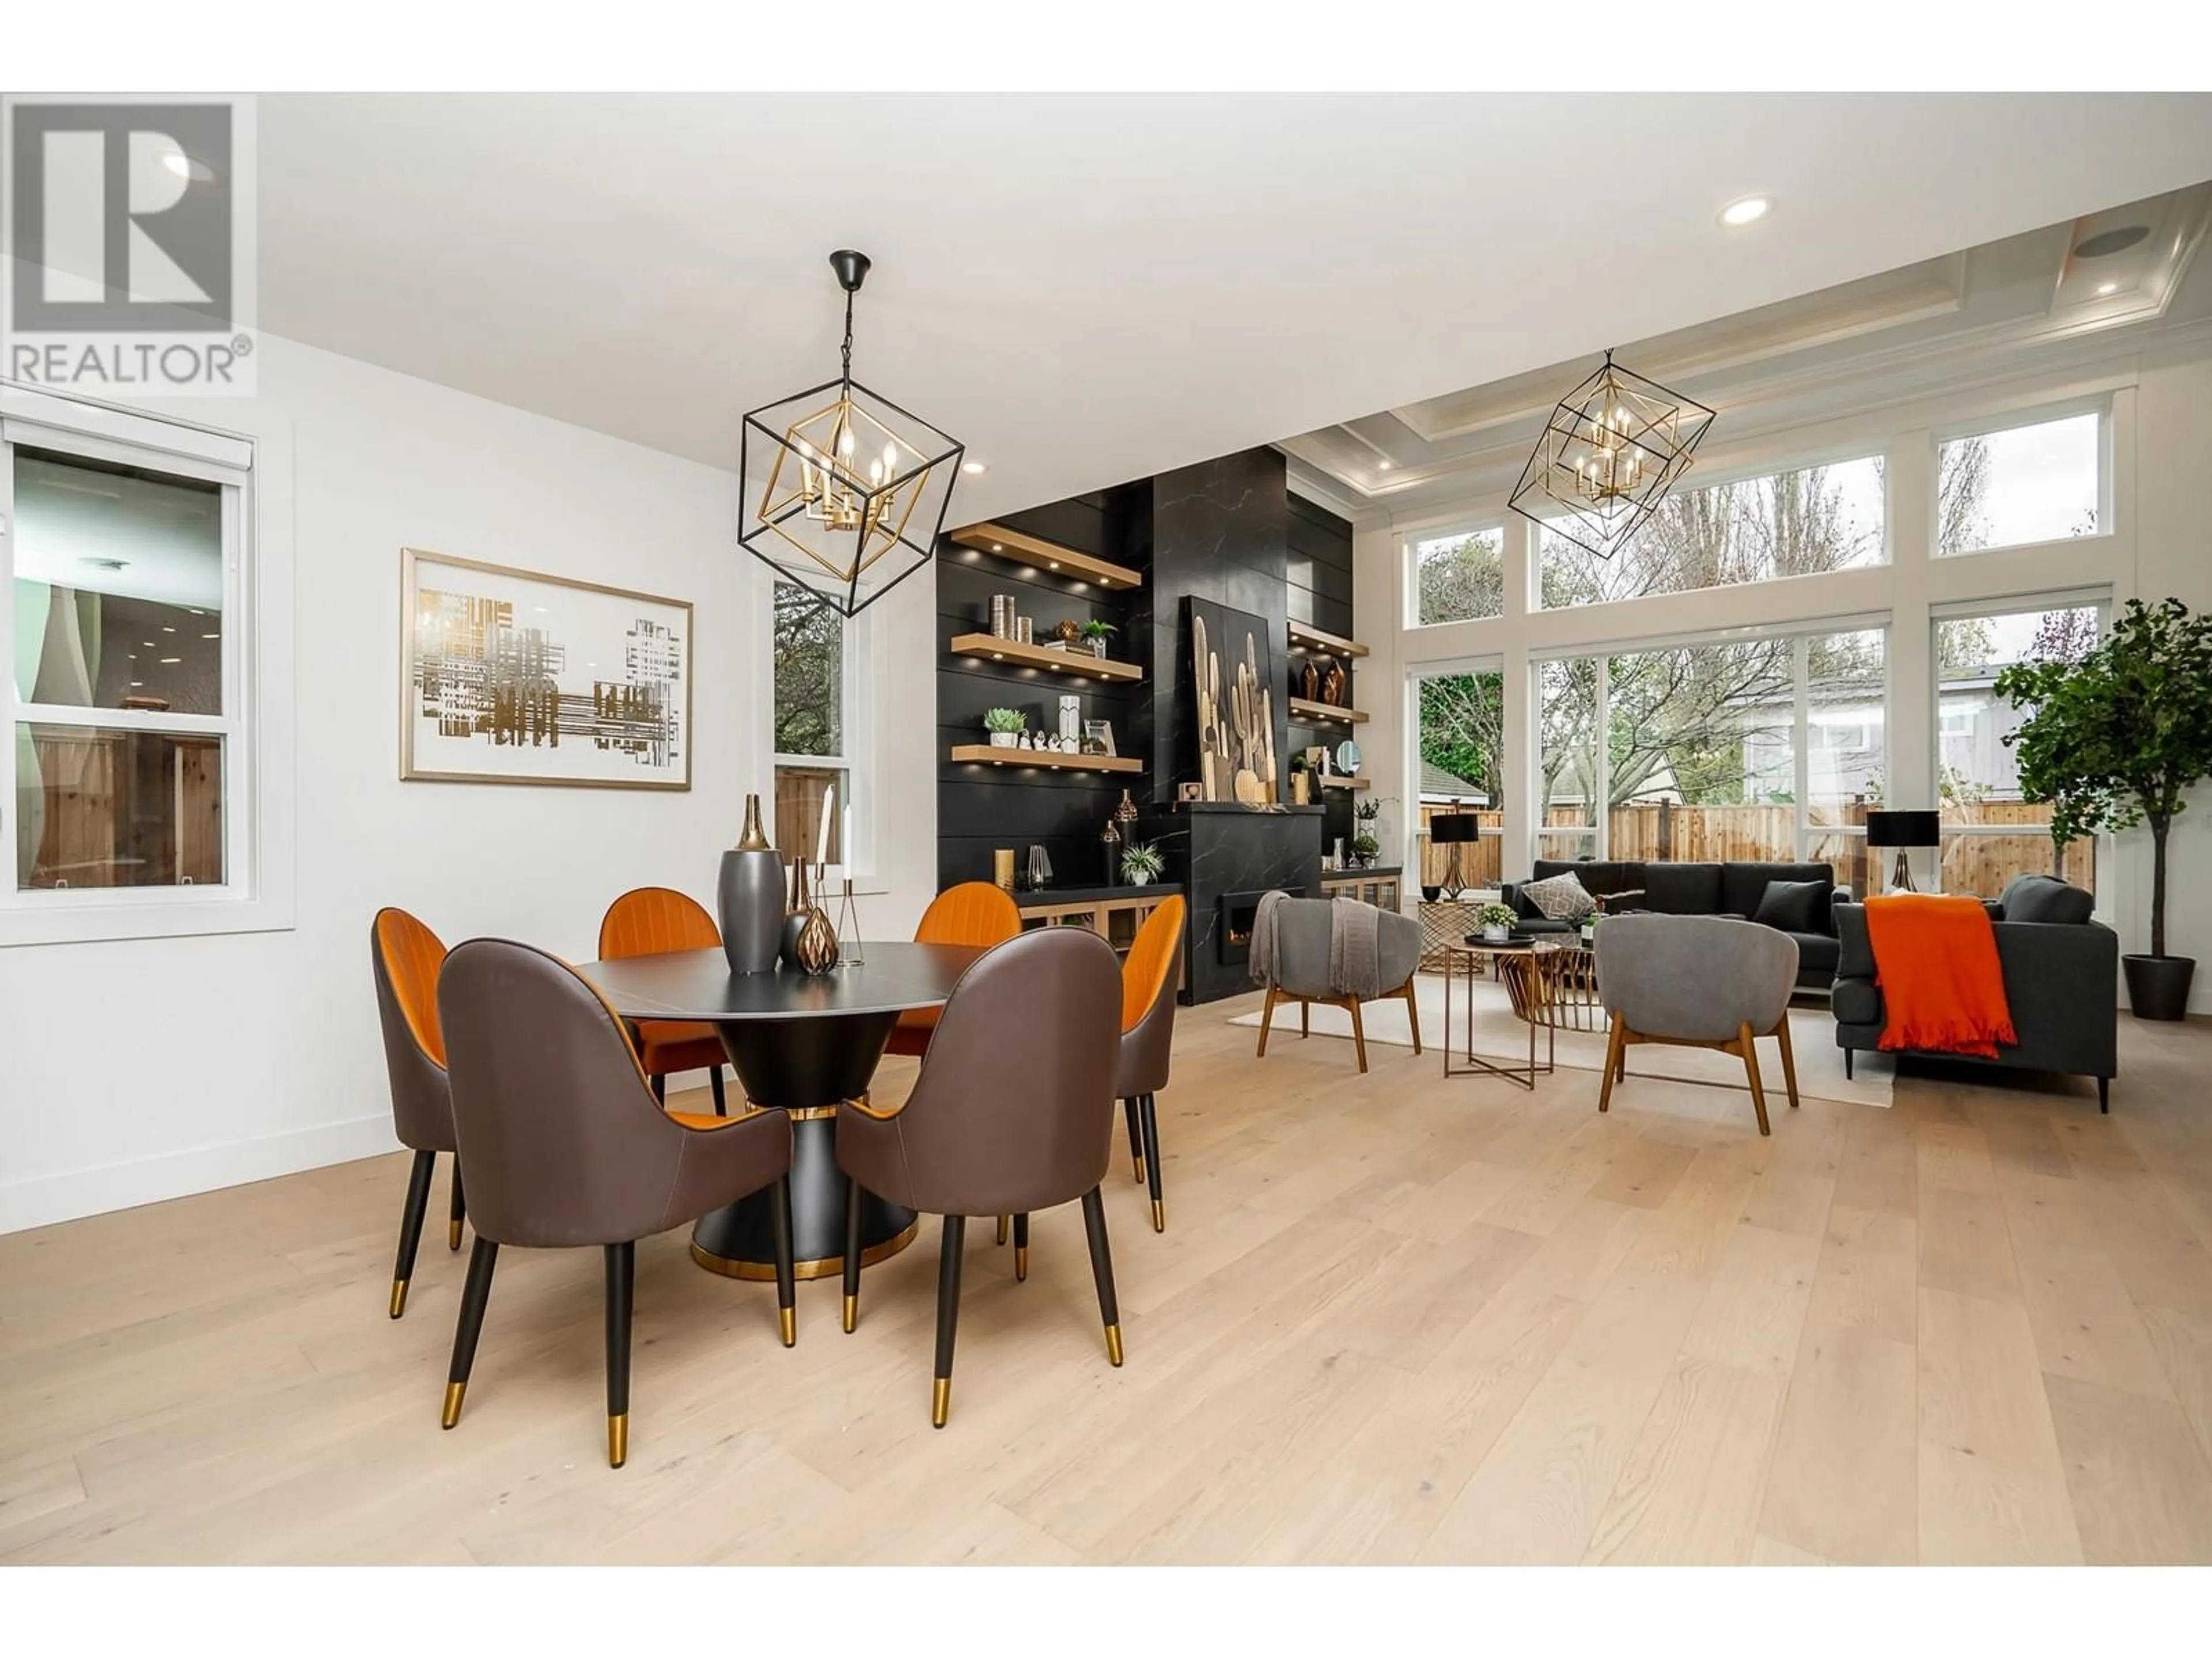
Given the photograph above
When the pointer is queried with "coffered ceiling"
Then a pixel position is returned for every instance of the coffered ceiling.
(2134, 267)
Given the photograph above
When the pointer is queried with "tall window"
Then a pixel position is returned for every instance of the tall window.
(1460, 716)
(2042, 482)
(814, 723)
(1459, 578)
(1804, 523)
(124, 670)
(1990, 834)
(1761, 748)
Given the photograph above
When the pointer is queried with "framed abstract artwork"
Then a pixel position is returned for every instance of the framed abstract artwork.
(510, 677)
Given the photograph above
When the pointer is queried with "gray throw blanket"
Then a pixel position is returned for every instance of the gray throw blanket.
(1355, 958)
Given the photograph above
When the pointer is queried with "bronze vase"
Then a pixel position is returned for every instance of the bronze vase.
(817, 951)
(749, 898)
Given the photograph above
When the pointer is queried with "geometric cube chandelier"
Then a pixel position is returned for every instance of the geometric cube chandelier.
(845, 494)
(1611, 451)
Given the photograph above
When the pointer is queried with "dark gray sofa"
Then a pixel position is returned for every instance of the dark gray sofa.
(1690, 889)
(2061, 976)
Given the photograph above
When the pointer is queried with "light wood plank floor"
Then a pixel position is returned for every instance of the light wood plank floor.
(1394, 1318)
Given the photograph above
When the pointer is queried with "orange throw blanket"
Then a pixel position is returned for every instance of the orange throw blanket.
(1935, 959)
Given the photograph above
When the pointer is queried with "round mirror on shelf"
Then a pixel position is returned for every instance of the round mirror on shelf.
(1347, 758)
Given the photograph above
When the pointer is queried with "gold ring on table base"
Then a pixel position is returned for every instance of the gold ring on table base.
(821, 1268)
(804, 1114)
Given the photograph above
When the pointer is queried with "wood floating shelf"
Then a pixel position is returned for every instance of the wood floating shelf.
(1344, 783)
(1306, 638)
(1016, 548)
(1080, 663)
(1317, 714)
(1052, 759)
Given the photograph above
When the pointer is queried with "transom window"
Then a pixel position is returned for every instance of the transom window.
(1460, 577)
(2020, 485)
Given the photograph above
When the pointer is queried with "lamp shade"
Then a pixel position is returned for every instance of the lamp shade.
(1904, 829)
(1454, 826)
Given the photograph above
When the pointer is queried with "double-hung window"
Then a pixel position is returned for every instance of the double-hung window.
(818, 664)
(123, 651)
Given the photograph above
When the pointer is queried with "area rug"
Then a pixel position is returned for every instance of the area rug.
(1500, 1036)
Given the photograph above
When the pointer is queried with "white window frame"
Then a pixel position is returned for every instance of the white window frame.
(2098, 404)
(254, 893)
(2100, 600)
(855, 725)
(1411, 548)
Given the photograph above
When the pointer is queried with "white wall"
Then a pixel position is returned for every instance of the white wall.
(136, 1070)
(2160, 398)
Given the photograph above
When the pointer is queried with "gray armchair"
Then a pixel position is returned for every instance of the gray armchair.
(1696, 982)
(1308, 964)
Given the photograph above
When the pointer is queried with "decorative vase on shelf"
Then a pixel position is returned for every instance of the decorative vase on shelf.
(1334, 687)
(1310, 682)
(749, 898)
(816, 948)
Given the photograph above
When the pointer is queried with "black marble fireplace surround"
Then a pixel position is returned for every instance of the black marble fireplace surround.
(1217, 848)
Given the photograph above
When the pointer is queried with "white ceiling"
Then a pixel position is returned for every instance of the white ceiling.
(1091, 289)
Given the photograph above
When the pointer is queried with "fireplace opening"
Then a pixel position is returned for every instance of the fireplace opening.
(1237, 910)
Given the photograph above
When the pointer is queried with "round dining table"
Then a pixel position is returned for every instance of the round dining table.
(805, 1043)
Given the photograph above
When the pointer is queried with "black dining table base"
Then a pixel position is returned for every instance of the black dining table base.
(808, 1068)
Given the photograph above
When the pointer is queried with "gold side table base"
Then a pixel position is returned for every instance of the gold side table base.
(1505, 967)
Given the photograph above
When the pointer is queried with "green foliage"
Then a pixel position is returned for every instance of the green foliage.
(809, 646)
(2118, 733)
(1141, 864)
(1365, 845)
(1095, 629)
(1004, 720)
(1495, 916)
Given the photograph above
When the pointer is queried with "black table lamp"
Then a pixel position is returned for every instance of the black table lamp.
(1902, 831)
(1455, 830)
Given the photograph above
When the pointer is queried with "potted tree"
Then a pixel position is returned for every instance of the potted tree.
(2117, 736)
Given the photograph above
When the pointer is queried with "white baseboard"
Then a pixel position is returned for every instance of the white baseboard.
(43, 1199)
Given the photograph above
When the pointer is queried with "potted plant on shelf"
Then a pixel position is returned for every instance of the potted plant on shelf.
(1098, 632)
(2117, 736)
(1005, 727)
(1494, 921)
(1141, 864)
(1365, 846)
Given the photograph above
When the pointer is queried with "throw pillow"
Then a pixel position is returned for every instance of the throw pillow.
(2047, 899)
(1794, 907)
(1561, 898)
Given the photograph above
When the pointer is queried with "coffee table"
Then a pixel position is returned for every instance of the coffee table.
(1550, 983)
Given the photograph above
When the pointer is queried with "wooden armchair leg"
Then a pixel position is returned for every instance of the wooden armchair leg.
(1358, 1032)
(1413, 1013)
(1750, 1053)
(1789, 1060)
(1266, 1019)
(1616, 1046)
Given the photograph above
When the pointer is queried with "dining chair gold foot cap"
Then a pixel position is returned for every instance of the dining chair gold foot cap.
(852, 1313)
(453, 1234)
(1113, 1345)
(1002, 1229)
(452, 1412)
(1159, 1217)
(1138, 1163)
(787, 1318)
(618, 1440)
(398, 1298)
(1021, 1263)
(940, 1402)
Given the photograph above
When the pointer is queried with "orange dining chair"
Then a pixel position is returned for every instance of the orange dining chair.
(975, 913)
(643, 922)
(405, 956)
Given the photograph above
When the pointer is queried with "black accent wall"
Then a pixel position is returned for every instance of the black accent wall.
(1319, 568)
(982, 808)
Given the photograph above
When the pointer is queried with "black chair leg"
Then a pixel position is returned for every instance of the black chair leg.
(1129, 1111)
(459, 1211)
(1021, 1247)
(1847, 1063)
(1102, 1269)
(660, 1088)
(2104, 1094)
(622, 1282)
(948, 1316)
(853, 1194)
(410, 1227)
(1148, 1114)
(786, 1276)
(474, 1295)
(721, 1100)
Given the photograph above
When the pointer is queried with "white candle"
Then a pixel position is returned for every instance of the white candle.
(828, 808)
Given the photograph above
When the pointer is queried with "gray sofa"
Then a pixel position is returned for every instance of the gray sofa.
(1692, 890)
(2061, 977)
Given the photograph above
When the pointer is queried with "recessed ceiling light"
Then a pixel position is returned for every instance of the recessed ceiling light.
(973, 466)
(1381, 466)
(2108, 287)
(188, 166)
(1736, 214)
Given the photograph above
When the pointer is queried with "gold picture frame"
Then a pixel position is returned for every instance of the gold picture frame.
(460, 723)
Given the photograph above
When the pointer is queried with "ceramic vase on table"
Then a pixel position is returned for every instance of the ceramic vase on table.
(1493, 934)
(750, 898)
(794, 916)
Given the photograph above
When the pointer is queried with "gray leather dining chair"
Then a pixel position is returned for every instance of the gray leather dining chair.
(1013, 1113)
(1696, 982)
